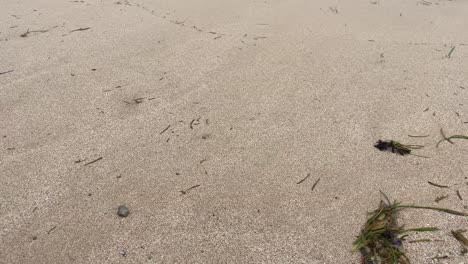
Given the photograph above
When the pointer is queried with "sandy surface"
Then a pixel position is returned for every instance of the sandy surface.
(256, 95)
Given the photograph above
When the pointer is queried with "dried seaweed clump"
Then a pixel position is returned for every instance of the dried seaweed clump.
(381, 239)
(396, 147)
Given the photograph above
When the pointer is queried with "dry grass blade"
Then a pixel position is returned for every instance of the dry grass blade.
(458, 235)
(417, 136)
(315, 184)
(420, 229)
(301, 181)
(440, 198)
(450, 52)
(425, 240)
(437, 185)
(443, 210)
(449, 139)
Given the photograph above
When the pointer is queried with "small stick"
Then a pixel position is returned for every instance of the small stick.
(440, 198)
(191, 123)
(52, 229)
(27, 32)
(202, 161)
(91, 162)
(299, 182)
(6, 72)
(160, 133)
(80, 29)
(193, 187)
(459, 195)
(315, 184)
(437, 185)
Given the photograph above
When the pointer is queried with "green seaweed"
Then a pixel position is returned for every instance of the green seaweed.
(445, 138)
(381, 239)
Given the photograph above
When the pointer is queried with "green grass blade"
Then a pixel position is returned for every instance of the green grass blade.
(420, 229)
(444, 210)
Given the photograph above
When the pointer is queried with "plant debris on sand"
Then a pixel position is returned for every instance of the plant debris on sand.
(449, 139)
(396, 146)
(381, 238)
(458, 235)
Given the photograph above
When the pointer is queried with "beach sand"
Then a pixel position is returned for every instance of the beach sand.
(241, 99)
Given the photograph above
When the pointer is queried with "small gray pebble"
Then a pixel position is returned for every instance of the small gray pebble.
(123, 211)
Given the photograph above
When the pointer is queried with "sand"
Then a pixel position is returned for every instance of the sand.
(244, 99)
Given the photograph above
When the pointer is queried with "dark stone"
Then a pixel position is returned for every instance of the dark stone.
(123, 211)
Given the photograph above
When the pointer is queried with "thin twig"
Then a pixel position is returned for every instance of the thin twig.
(52, 229)
(34, 31)
(299, 182)
(437, 185)
(315, 184)
(6, 72)
(80, 29)
(440, 198)
(193, 187)
(25, 34)
(165, 129)
(459, 195)
(91, 162)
